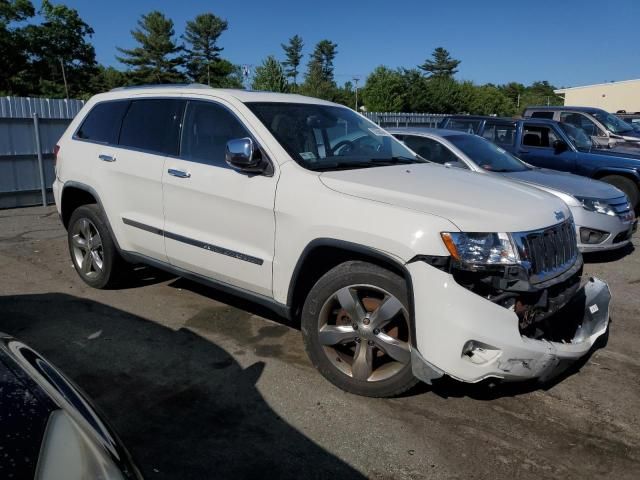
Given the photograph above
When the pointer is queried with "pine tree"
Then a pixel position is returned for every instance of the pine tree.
(157, 58)
(202, 51)
(442, 65)
(270, 76)
(293, 52)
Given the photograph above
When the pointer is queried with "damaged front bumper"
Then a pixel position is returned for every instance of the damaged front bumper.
(461, 334)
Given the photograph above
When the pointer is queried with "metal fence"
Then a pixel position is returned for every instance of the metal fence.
(29, 129)
(430, 120)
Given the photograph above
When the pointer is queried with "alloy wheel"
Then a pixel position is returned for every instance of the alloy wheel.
(88, 253)
(364, 331)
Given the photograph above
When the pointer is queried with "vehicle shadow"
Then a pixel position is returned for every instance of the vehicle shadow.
(182, 405)
(608, 256)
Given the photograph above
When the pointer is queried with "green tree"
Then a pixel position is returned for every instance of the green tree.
(105, 79)
(202, 51)
(13, 48)
(384, 90)
(319, 81)
(490, 100)
(270, 76)
(157, 58)
(59, 49)
(293, 52)
(225, 74)
(442, 65)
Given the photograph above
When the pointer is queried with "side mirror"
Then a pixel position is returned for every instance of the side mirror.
(241, 154)
(455, 164)
(560, 146)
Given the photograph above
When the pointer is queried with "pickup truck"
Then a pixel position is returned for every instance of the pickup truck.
(558, 146)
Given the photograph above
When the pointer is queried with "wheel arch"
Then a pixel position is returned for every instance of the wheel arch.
(622, 172)
(323, 254)
(74, 195)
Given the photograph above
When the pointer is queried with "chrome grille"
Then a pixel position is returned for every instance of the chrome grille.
(548, 252)
(620, 205)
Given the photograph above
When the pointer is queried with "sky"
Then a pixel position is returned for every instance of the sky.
(567, 42)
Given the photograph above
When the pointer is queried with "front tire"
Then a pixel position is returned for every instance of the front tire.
(93, 251)
(356, 329)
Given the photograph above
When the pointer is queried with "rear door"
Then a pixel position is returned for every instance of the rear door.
(150, 131)
(536, 148)
(501, 133)
(127, 141)
(219, 222)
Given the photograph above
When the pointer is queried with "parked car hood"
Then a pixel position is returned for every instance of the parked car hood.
(473, 202)
(566, 182)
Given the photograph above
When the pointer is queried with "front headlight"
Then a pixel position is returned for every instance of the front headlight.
(596, 205)
(481, 248)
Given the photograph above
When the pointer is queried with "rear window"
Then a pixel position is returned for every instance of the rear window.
(102, 124)
(548, 115)
(502, 134)
(153, 125)
(464, 125)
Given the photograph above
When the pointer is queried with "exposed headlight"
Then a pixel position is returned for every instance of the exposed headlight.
(595, 205)
(481, 248)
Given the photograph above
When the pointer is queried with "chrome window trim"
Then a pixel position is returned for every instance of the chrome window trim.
(186, 99)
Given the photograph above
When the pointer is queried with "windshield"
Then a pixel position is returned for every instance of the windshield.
(324, 137)
(486, 154)
(578, 136)
(613, 123)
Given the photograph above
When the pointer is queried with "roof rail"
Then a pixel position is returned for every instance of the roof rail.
(161, 85)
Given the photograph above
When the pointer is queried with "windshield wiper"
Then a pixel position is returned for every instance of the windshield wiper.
(340, 166)
(398, 160)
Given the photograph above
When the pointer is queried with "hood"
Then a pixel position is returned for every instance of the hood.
(472, 201)
(566, 183)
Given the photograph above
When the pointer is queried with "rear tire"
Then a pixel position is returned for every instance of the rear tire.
(93, 251)
(357, 332)
(628, 186)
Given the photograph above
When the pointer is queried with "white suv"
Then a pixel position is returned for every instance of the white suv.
(398, 269)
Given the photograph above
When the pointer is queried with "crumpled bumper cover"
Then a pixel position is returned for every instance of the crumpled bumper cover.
(485, 345)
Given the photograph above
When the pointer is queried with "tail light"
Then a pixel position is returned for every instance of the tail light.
(56, 149)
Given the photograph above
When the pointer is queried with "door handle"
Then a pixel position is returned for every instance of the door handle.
(106, 158)
(178, 173)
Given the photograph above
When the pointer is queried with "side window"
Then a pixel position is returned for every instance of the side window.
(430, 149)
(207, 129)
(580, 121)
(502, 134)
(102, 124)
(534, 136)
(548, 115)
(469, 126)
(153, 125)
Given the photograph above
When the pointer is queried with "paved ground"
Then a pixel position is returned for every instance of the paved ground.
(200, 385)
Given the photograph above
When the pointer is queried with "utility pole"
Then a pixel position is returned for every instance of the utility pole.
(64, 79)
(518, 105)
(356, 80)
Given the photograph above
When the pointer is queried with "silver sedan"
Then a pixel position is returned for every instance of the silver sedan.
(602, 214)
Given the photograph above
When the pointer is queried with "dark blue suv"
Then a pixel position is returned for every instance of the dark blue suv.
(558, 146)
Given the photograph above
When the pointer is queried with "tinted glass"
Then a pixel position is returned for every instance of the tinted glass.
(325, 137)
(469, 126)
(153, 125)
(580, 121)
(487, 155)
(502, 134)
(534, 136)
(207, 129)
(430, 149)
(103, 122)
(548, 115)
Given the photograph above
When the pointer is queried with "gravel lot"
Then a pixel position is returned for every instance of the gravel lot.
(202, 385)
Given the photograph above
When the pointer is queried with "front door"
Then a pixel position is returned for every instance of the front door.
(219, 222)
(536, 147)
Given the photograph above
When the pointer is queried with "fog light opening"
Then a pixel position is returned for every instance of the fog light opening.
(479, 353)
(591, 236)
